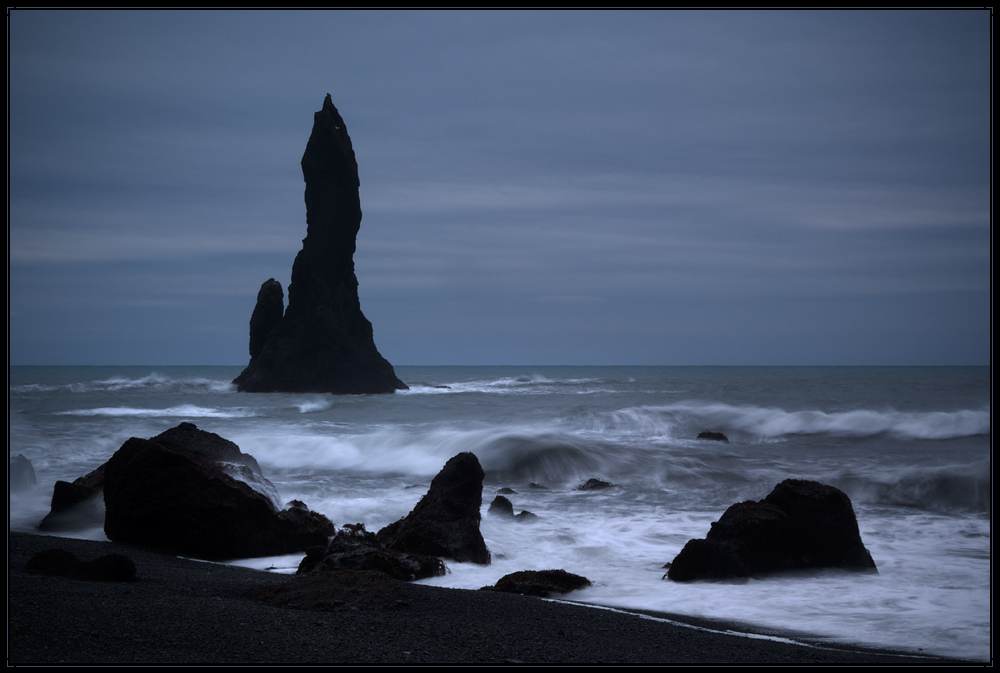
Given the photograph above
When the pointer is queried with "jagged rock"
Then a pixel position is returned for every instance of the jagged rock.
(354, 548)
(266, 314)
(715, 436)
(594, 484)
(800, 525)
(76, 504)
(183, 492)
(540, 582)
(22, 474)
(502, 508)
(323, 343)
(445, 523)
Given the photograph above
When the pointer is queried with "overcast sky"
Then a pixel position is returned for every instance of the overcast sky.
(664, 188)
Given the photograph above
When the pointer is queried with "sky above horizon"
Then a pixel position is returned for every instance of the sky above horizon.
(538, 187)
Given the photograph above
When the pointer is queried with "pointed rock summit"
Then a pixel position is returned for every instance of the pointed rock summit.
(323, 343)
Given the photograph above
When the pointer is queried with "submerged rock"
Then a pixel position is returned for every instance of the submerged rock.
(800, 525)
(502, 508)
(323, 343)
(594, 484)
(445, 523)
(712, 435)
(540, 582)
(191, 492)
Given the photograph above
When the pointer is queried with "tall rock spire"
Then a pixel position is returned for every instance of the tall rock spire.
(323, 343)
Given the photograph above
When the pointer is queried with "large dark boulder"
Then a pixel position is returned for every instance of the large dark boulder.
(323, 343)
(540, 583)
(800, 525)
(445, 523)
(191, 492)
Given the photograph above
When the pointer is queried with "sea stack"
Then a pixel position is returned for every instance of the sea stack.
(323, 343)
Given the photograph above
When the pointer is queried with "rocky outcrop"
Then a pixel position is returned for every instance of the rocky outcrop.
(355, 549)
(540, 583)
(445, 523)
(323, 343)
(502, 508)
(266, 315)
(800, 525)
(713, 435)
(191, 492)
(77, 504)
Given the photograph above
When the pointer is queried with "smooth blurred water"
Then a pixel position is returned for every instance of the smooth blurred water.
(910, 446)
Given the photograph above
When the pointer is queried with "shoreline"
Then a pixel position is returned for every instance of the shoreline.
(185, 611)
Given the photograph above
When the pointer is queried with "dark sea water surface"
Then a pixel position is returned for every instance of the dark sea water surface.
(910, 446)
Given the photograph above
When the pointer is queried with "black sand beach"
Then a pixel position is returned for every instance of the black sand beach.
(180, 611)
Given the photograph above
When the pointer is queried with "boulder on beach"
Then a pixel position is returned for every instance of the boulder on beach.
(323, 343)
(77, 504)
(354, 548)
(191, 492)
(540, 583)
(800, 525)
(445, 523)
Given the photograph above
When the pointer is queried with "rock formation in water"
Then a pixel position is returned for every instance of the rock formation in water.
(191, 492)
(322, 343)
(800, 525)
(186, 491)
(445, 523)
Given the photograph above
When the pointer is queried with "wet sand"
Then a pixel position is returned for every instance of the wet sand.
(180, 611)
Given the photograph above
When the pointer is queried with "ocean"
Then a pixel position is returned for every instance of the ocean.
(911, 446)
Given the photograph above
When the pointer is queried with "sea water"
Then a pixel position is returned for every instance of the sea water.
(910, 446)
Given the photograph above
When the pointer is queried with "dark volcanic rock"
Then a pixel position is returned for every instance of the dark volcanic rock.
(185, 491)
(76, 504)
(501, 507)
(800, 525)
(266, 315)
(445, 523)
(715, 436)
(323, 343)
(540, 582)
(354, 548)
(594, 484)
